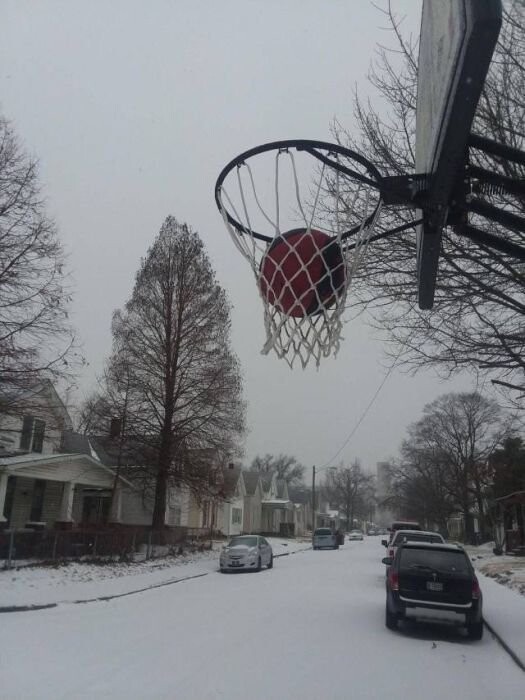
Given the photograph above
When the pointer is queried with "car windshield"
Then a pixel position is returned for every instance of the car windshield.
(434, 559)
(244, 541)
(405, 526)
(415, 537)
(323, 531)
(356, 532)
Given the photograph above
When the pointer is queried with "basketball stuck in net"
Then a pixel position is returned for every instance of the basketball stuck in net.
(303, 272)
(305, 232)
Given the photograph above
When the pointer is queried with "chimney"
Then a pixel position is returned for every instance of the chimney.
(115, 428)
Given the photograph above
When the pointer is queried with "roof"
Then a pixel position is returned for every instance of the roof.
(516, 497)
(251, 479)
(23, 460)
(275, 502)
(75, 442)
(416, 532)
(266, 480)
(231, 477)
(281, 487)
(299, 495)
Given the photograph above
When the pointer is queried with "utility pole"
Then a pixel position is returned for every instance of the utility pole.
(313, 499)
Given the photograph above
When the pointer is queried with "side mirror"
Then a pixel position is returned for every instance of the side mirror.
(384, 543)
(387, 561)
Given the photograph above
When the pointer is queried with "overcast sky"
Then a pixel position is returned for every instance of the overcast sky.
(133, 108)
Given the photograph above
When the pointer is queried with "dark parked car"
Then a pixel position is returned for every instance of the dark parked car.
(433, 582)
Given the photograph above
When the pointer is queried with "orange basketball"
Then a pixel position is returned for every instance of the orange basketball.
(302, 272)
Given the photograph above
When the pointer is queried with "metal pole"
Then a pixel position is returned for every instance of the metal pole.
(313, 499)
(11, 547)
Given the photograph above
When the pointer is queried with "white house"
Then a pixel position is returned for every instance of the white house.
(231, 510)
(252, 502)
(41, 484)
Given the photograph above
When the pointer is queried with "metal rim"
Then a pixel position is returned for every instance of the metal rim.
(309, 146)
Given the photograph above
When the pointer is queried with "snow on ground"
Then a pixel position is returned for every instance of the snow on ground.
(313, 627)
(505, 569)
(83, 581)
(505, 616)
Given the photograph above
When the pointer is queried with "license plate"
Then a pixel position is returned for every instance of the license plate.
(434, 586)
(235, 563)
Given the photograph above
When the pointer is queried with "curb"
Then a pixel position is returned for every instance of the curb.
(505, 646)
(289, 554)
(26, 608)
(105, 598)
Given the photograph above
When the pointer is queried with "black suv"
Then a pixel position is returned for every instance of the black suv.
(435, 582)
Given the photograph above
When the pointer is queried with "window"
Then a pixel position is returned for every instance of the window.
(37, 501)
(236, 516)
(32, 437)
(38, 436)
(243, 541)
(436, 559)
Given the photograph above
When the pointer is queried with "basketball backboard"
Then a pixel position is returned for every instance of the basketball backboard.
(457, 41)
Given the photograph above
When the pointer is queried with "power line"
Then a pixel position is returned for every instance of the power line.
(363, 415)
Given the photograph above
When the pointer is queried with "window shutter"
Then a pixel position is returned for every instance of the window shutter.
(27, 433)
(38, 436)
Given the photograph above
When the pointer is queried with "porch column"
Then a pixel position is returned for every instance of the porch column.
(65, 515)
(116, 505)
(4, 476)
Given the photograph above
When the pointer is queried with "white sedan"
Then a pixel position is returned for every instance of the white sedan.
(245, 553)
(355, 535)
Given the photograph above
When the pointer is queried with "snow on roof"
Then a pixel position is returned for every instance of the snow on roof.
(32, 457)
(275, 502)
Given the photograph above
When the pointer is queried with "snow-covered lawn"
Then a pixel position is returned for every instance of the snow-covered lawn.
(311, 628)
(84, 581)
(505, 569)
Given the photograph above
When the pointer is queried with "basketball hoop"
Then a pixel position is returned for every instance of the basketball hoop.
(305, 232)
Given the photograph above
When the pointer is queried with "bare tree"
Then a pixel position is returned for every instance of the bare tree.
(36, 339)
(286, 467)
(350, 490)
(478, 317)
(187, 411)
(446, 458)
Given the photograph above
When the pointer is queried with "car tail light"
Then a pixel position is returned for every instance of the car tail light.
(393, 580)
(476, 591)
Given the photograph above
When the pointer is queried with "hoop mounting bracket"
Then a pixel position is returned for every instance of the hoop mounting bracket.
(407, 190)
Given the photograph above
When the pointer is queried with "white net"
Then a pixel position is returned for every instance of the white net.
(304, 272)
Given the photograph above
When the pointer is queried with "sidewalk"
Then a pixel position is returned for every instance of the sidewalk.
(504, 613)
(82, 582)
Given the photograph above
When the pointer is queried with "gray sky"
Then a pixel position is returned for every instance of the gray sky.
(134, 107)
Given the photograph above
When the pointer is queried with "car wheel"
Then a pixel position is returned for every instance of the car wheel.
(336, 546)
(270, 565)
(475, 630)
(390, 619)
(259, 564)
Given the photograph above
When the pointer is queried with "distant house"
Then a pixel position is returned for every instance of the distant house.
(302, 502)
(252, 502)
(277, 509)
(231, 511)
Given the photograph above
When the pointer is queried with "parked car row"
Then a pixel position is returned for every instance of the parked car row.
(429, 580)
(433, 582)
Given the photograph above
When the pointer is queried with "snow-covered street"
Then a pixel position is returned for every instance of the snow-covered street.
(311, 628)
